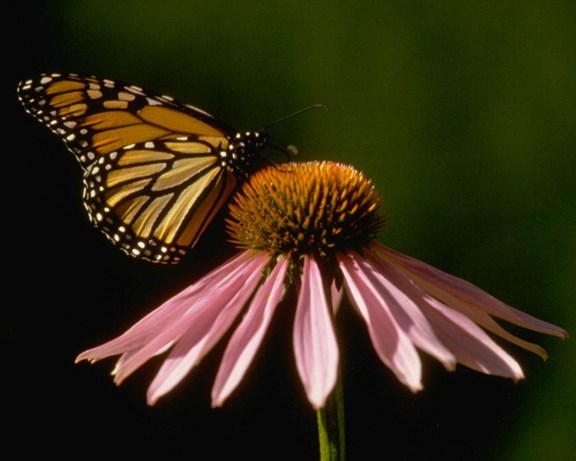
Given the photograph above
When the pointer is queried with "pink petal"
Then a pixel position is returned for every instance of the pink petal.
(197, 319)
(471, 345)
(393, 289)
(391, 343)
(468, 299)
(152, 324)
(248, 336)
(336, 296)
(461, 294)
(190, 312)
(466, 340)
(201, 331)
(315, 344)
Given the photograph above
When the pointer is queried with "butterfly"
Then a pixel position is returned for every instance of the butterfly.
(155, 171)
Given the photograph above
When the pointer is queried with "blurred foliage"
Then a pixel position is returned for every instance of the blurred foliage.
(462, 112)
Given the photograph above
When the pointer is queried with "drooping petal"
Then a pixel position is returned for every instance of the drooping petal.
(469, 343)
(391, 343)
(205, 328)
(198, 321)
(247, 338)
(315, 346)
(152, 324)
(460, 294)
(188, 312)
(461, 335)
(393, 290)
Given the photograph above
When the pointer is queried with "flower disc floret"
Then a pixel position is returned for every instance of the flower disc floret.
(313, 207)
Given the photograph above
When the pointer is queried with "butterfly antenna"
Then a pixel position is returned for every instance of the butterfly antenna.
(298, 112)
(289, 150)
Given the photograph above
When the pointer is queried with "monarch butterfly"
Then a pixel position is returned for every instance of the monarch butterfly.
(156, 171)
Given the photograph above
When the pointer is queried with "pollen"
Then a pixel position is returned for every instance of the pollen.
(312, 207)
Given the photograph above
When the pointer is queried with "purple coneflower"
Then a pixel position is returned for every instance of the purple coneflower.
(312, 226)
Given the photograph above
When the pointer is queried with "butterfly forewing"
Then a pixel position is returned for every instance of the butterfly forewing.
(96, 116)
(156, 171)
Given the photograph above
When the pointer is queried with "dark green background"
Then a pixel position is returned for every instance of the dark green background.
(463, 113)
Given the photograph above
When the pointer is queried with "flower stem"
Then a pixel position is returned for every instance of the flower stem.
(331, 426)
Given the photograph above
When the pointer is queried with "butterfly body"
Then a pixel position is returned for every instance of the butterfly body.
(156, 171)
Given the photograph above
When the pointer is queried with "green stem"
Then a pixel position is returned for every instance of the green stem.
(331, 426)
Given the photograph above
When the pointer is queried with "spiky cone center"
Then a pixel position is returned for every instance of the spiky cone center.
(312, 207)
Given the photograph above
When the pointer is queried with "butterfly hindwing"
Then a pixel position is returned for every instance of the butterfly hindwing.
(156, 171)
(155, 199)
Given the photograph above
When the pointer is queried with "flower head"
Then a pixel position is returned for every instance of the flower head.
(312, 226)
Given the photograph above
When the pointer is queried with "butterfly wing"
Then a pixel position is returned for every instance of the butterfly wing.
(155, 171)
(97, 116)
(155, 199)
